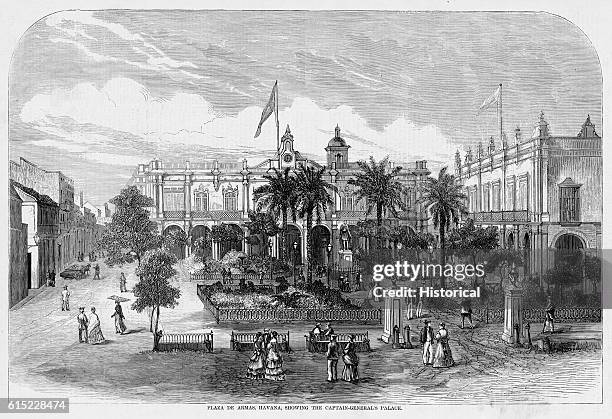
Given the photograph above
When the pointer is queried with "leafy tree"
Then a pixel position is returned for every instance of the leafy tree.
(377, 185)
(223, 233)
(279, 197)
(153, 290)
(313, 200)
(469, 240)
(175, 238)
(263, 224)
(130, 233)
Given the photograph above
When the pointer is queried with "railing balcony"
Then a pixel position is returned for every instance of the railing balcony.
(174, 214)
(500, 216)
(218, 215)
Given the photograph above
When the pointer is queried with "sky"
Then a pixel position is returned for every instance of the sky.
(95, 93)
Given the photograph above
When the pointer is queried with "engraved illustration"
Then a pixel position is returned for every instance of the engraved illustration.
(305, 207)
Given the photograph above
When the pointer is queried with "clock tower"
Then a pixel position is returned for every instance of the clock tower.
(286, 153)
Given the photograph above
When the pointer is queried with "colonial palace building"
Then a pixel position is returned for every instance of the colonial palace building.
(543, 192)
(195, 195)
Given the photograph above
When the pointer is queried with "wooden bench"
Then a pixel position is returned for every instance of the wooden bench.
(186, 342)
(243, 341)
(318, 342)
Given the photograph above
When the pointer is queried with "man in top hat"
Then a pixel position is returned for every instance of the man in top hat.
(96, 271)
(427, 339)
(333, 351)
(83, 323)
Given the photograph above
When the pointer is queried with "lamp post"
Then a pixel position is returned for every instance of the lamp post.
(295, 244)
(329, 249)
(36, 238)
(270, 248)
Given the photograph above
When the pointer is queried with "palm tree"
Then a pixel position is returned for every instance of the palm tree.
(376, 184)
(445, 202)
(313, 199)
(279, 197)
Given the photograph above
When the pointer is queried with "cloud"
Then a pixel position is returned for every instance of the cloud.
(186, 120)
(74, 24)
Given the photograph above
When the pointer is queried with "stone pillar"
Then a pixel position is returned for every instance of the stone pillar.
(393, 316)
(513, 315)
(187, 197)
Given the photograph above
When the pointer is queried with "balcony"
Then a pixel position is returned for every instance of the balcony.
(174, 214)
(360, 215)
(217, 215)
(500, 216)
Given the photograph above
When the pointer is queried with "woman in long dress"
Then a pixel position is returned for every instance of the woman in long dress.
(118, 315)
(274, 361)
(443, 358)
(350, 372)
(257, 364)
(95, 332)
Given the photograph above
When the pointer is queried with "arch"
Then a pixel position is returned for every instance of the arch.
(527, 241)
(201, 232)
(177, 250)
(226, 246)
(510, 241)
(569, 241)
(321, 236)
(294, 235)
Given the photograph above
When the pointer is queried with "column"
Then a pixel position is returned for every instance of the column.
(187, 197)
(160, 198)
(513, 315)
(393, 317)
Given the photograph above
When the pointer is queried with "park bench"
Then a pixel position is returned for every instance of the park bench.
(241, 341)
(186, 342)
(318, 342)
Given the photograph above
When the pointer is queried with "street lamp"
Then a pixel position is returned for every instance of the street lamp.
(329, 249)
(36, 238)
(295, 245)
(270, 247)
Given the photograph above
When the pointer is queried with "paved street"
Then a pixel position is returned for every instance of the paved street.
(46, 357)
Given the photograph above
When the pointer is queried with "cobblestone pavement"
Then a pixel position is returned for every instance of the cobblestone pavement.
(45, 356)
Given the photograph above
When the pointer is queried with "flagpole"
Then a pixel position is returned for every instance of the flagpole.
(501, 126)
(277, 126)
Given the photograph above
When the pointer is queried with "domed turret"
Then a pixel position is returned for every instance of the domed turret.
(337, 150)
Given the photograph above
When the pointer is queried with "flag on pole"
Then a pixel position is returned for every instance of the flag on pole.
(269, 108)
(493, 98)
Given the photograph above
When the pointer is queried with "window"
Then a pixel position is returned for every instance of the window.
(201, 201)
(346, 203)
(510, 195)
(485, 198)
(569, 201)
(522, 195)
(174, 199)
(230, 199)
(496, 196)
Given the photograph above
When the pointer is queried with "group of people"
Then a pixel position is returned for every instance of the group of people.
(350, 372)
(266, 361)
(441, 356)
(89, 327)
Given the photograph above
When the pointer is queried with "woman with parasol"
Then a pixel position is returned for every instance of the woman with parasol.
(118, 314)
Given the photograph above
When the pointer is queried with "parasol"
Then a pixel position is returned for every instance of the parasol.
(117, 298)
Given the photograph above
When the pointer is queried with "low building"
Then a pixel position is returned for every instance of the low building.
(19, 264)
(41, 214)
(195, 195)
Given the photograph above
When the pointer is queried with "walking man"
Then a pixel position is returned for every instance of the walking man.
(83, 323)
(427, 339)
(466, 313)
(332, 359)
(65, 299)
(549, 319)
(96, 271)
(122, 282)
